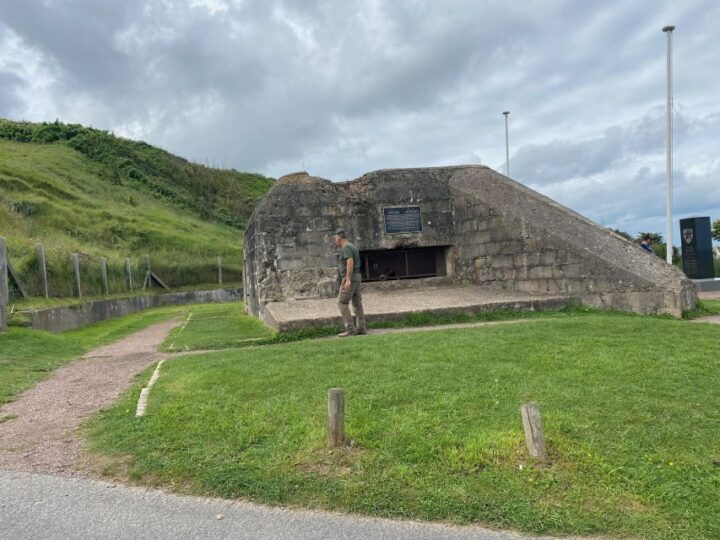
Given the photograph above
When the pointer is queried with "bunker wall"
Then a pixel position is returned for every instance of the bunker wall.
(497, 233)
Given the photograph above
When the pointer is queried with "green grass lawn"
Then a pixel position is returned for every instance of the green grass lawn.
(217, 326)
(704, 308)
(226, 326)
(26, 355)
(630, 407)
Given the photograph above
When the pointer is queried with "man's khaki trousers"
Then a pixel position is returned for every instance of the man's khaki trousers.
(353, 295)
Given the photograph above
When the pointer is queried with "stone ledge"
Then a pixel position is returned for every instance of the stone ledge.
(380, 306)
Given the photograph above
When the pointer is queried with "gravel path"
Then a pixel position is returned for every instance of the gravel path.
(715, 319)
(41, 436)
(42, 506)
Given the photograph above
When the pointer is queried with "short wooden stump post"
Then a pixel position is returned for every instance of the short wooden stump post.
(534, 437)
(336, 417)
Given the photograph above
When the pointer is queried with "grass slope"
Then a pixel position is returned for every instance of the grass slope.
(81, 190)
(217, 326)
(630, 408)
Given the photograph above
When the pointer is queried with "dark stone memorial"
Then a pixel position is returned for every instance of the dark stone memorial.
(402, 219)
(696, 241)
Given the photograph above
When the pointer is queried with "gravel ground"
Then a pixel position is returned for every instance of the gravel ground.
(41, 436)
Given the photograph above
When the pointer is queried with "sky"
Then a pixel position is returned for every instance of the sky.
(344, 88)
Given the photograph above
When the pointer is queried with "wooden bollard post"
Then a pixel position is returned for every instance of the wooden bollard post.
(4, 287)
(76, 273)
(43, 269)
(103, 275)
(219, 268)
(534, 437)
(336, 417)
(128, 274)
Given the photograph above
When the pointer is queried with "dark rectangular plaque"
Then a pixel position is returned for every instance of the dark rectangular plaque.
(402, 219)
(696, 242)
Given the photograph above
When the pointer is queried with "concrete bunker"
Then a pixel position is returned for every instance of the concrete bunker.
(454, 226)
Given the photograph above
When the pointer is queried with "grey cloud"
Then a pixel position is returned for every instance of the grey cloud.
(347, 87)
(10, 86)
(560, 160)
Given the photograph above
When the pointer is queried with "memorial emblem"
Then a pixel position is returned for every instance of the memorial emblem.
(688, 235)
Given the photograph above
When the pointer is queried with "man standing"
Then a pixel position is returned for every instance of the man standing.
(350, 285)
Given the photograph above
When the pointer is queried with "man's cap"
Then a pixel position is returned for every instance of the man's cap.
(339, 232)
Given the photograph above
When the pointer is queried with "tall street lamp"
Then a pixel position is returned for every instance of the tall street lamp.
(669, 158)
(507, 145)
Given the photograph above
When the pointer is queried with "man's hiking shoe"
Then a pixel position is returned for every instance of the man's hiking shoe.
(346, 333)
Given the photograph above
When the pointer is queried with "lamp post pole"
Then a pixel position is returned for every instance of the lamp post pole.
(669, 157)
(507, 145)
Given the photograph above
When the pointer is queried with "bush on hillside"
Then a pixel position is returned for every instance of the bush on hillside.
(224, 196)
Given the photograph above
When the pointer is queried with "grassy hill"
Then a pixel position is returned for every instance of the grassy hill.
(81, 190)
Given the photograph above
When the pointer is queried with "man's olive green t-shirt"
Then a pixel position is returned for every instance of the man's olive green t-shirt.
(347, 251)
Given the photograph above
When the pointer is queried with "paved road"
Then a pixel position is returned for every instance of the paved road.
(43, 506)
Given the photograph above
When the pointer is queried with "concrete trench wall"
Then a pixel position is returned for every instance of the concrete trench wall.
(61, 319)
(503, 236)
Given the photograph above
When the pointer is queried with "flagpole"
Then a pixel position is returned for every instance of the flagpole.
(669, 157)
(507, 145)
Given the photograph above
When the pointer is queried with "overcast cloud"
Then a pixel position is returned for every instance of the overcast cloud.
(343, 88)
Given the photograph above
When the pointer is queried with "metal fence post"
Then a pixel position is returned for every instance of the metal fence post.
(128, 274)
(103, 275)
(43, 268)
(76, 273)
(4, 287)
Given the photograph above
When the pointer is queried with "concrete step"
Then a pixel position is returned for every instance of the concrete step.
(397, 305)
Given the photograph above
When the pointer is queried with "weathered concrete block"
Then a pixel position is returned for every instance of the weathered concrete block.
(548, 257)
(541, 272)
(566, 270)
(291, 264)
(524, 259)
(502, 261)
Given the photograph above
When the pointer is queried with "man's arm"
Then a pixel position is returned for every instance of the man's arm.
(349, 265)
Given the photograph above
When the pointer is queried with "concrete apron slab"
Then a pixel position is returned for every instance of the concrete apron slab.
(382, 306)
